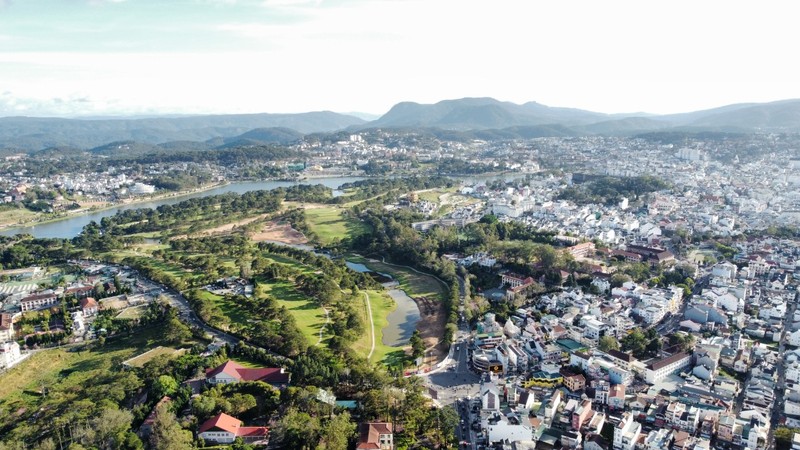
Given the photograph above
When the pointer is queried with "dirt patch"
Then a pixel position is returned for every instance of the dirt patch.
(432, 321)
(272, 231)
(230, 226)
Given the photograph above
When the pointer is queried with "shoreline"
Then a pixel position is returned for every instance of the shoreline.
(80, 212)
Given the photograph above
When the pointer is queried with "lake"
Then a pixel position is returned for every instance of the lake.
(71, 226)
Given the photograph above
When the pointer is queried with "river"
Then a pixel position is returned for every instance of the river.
(70, 227)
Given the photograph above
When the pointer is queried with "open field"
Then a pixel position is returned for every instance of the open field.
(328, 223)
(309, 316)
(141, 360)
(381, 305)
(71, 368)
(132, 313)
(9, 217)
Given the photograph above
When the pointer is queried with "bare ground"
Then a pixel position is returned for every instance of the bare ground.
(273, 231)
(230, 226)
(432, 321)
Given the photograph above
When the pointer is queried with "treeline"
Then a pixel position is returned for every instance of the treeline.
(177, 181)
(225, 157)
(611, 190)
(369, 188)
(206, 208)
(25, 251)
(336, 269)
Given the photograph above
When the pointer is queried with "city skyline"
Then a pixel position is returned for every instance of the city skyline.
(128, 57)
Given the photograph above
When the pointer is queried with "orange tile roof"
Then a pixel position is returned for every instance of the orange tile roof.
(223, 422)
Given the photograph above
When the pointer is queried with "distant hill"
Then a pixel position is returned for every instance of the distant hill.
(31, 133)
(480, 113)
(276, 135)
(471, 114)
(461, 119)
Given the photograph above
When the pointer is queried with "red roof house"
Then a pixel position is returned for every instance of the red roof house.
(231, 372)
(224, 429)
(375, 436)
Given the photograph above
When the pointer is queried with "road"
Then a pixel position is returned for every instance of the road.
(188, 316)
(777, 407)
(672, 322)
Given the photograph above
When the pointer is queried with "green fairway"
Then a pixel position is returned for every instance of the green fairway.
(381, 305)
(228, 306)
(309, 316)
(329, 224)
(280, 259)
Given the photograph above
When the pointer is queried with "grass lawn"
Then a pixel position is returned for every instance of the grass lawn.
(141, 360)
(381, 305)
(72, 368)
(309, 316)
(13, 216)
(431, 195)
(415, 284)
(280, 259)
(229, 307)
(132, 313)
(247, 363)
(329, 224)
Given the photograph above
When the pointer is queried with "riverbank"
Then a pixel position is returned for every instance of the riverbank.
(111, 205)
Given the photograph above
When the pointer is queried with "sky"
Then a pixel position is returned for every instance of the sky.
(79, 58)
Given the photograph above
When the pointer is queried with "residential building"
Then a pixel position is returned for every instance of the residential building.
(89, 306)
(626, 433)
(616, 397)
(658, 439)
(575, 382)
(659, 370)
(9, 354)
(231, 372)
(38, 301)
(224, 429)
(6, 327)
(375, 436)
(513, 280)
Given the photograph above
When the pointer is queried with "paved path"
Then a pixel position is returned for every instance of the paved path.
(371, 325)
(322, 328)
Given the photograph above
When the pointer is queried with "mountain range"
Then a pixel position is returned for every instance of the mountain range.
(483, 118)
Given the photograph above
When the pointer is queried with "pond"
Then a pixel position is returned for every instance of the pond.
(403, 320)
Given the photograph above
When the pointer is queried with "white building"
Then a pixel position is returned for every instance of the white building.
(9, 354)
(626, 433)
(659, 370)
